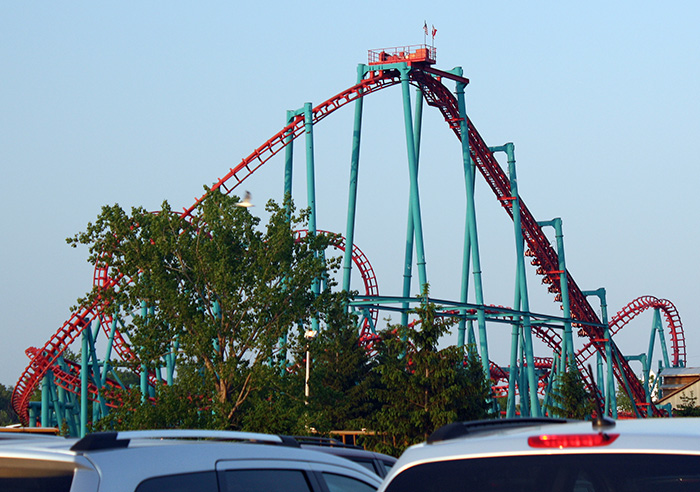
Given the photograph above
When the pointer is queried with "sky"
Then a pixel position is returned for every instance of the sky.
(139, 102)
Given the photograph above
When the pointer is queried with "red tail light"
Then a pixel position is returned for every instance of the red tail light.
(571, 440)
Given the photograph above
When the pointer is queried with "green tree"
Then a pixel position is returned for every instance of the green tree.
(421, 386)
(7, 413)
(341, 379)
(624, 402)
(182, 405)
(570, 399)
(216, 283)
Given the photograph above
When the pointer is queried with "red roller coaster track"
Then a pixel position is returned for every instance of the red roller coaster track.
(436, 95)
(369, 279)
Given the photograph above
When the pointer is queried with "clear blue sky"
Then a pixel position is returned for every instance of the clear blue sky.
(137, 102)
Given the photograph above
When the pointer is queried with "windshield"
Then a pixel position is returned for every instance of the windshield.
(559, 473)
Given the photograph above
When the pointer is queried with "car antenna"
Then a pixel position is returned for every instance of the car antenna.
(600, 421)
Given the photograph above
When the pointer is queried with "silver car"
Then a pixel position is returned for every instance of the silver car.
(174, 461)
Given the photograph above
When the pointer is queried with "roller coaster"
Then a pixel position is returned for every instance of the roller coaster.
(525, 383)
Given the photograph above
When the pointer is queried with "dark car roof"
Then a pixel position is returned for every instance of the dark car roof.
(351, 452)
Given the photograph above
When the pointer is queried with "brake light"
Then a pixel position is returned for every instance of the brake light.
(571, 440)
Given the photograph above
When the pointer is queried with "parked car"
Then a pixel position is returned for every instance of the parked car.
(176, 461)
(550, 455)
(376, 462)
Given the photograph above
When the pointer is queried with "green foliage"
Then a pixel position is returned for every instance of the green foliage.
(624, 402)
(688, 407)
(422, 387)
(7, 413)
(220, 287)
(341, 378)
(173, 407)
(570, 399)
(277, 405)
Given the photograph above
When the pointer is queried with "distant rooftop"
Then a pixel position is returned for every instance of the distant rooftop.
(680, 371)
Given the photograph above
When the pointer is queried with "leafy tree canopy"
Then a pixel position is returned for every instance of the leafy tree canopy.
(7, 413)
(216, 285)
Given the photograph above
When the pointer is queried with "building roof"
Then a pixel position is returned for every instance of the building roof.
(680, 371)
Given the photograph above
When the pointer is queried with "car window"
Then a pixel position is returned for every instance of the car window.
(369, 464)
(264, 480)
(182, 482)
(341, 483)
(609, 472)
(35, 475)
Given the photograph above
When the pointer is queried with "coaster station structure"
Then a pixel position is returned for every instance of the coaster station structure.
(68, 387)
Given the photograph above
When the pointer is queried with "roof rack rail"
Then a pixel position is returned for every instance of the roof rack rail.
(459, 429)
(324, 441)
(115, 440)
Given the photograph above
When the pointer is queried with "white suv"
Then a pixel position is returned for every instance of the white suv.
(549, 455)
(174, 461)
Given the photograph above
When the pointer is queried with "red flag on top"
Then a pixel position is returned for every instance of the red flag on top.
(425, 27)
(434, 31)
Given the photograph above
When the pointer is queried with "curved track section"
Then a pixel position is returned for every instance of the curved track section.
(436, 95)
(637, 307)
(369, 279)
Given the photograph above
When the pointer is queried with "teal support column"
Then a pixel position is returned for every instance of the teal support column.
(413, 178)
(57, 404)
(568, 340)
(513, 372)
(627, 388)
(471, 337)
(662, 339)
(461, 331)
(46, 398)
(352, 192)
(95, 370)
(288, 162)
(144, 373)
(63, 415)
(311, 189)
(471, 245)
(172, 360)
(33, 414)
(410, 228)
(610, 395)
(65, 404)
(522, 301)
(108, 353)
(550, 381)
(466, 247)
(143, 383)
(525, 410)
(650, 351)
(310, 170)
(600, 379)
(84, 383)
(645, 377)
